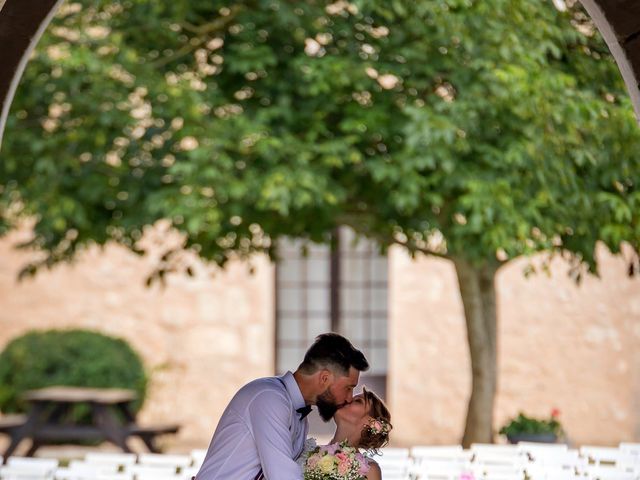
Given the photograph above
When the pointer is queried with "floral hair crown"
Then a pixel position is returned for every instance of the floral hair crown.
(378, 426)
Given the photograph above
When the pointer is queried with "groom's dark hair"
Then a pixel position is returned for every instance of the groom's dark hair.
(333, 352)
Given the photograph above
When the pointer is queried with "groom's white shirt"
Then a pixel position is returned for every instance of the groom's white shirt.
(259, 430)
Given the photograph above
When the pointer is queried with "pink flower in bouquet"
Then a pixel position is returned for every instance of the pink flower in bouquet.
(343, 463)
(313, 460)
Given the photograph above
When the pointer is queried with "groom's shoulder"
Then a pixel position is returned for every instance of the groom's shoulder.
(263, 388)
(262, 384)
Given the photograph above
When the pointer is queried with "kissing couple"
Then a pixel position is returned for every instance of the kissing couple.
(261, 434)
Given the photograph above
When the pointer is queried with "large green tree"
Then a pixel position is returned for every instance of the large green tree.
(474, 130)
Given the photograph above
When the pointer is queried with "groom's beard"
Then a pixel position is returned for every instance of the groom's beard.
(326, 404)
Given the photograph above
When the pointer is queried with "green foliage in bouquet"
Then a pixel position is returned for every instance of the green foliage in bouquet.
(79, 358)
(523, 424)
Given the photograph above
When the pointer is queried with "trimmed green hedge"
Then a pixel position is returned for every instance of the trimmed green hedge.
(79, 358)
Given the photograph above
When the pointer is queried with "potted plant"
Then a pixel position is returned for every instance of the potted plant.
(528, 429)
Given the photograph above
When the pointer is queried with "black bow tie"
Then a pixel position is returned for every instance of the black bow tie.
(304, 411)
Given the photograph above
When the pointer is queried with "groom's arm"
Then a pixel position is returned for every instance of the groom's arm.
(270, 417)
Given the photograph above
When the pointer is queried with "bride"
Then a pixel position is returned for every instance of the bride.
(364, 424)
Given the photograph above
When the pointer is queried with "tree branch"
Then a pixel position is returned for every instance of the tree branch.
(203, 33)
(426, 251)
(213, 26)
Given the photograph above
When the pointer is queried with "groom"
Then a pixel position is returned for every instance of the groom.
(263, 429)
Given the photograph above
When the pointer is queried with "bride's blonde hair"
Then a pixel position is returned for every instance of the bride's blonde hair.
(375, 434)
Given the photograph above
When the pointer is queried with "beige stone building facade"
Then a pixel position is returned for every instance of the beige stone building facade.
(575, 348)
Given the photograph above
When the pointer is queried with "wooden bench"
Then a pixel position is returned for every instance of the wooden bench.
(50, 419)
(148, 433)
(9, 423)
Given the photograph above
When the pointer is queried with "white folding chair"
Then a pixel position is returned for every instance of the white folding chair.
(608, 456)
(453, 454)
(79, 470)
(390, 452)
(546, 472)
(10, 473)
(497, 472)
(99, 468)
(21, 468)
(542, 449)
(436, 451)
(391, 476)
(493, 448)
(23, 473)
(115, 476)
(148, 471)
(156, 476)
(494, 458)
(197, 457)
(189, 472)
(103, 476)
(164, 460)
(48, 464)
(394, 467)
(438, 469)
(394, 462)
(632, 449)
(503, 476)
(601, 472)
(565, 459)
(498, 462)
(444, 452)
(119, 459)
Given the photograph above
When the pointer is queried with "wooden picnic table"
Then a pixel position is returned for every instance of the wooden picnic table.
(112, 419)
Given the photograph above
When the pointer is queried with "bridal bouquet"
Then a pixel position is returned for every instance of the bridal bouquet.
(335, 462)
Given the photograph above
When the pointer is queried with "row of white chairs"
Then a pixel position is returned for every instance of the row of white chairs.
(105, 466)
(530, 461)
(525, 461)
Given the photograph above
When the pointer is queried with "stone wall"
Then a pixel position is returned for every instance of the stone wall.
(575, 348)
(200, 338)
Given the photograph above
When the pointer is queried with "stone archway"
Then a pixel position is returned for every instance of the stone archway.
(23, 21)
(619, 24)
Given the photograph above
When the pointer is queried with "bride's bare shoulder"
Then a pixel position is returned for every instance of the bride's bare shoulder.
(374, 471)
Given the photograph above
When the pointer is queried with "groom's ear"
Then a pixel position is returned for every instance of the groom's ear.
(325, 377)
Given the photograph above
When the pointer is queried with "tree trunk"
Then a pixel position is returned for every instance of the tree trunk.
(477, 287)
